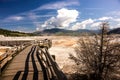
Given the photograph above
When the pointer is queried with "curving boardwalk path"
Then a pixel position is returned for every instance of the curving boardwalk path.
(25, 66)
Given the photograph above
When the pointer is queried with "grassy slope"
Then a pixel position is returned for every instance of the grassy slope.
(14, 33)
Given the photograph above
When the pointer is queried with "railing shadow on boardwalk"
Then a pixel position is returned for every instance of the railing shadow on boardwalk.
(26, 70)
(16, 77)
(50, 69)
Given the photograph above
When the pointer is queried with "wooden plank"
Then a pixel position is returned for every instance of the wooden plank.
(17, 68)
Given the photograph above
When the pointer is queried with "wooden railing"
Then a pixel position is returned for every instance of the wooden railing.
(9, 56)
(49, 66)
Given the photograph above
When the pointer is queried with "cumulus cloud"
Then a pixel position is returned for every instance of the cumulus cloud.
(114, 22)
(119, 24)
(115, 26)
(58, 5)
(67, 19)
(117, 19)
(82, 25)
(63, 19)
(96, 24)
(104, 18)
(65, 16)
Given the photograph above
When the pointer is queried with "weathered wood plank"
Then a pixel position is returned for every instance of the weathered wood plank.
(25, 60)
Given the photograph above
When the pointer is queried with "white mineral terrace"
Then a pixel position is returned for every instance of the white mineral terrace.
(62, 46)
(15, 38)
(24, 38)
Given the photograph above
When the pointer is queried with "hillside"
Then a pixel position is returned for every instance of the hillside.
(13, 33)
(59, 32)
(114, 31)
(56, 32)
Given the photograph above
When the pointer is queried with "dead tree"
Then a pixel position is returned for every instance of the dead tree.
(98, 55)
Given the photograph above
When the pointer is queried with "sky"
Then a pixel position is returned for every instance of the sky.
(37, 15)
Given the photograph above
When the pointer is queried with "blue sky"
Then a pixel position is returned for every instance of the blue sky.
(32, 15)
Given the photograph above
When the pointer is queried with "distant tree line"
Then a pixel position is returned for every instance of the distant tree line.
(14, 33)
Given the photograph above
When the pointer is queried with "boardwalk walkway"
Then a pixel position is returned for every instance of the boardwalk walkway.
(25, 66)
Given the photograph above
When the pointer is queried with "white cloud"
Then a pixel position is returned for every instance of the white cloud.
(118, 24)
(22, 29)
(13, 18)
(115, 13)
(83, 24)
(64, 18)
(95, 24)
(114, 22)
(117, 20)
(104, 18)
(58, 5)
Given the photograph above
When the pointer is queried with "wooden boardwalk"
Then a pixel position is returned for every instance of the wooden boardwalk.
(25, 66)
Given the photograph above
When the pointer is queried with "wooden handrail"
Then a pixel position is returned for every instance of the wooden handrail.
(53, 70)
